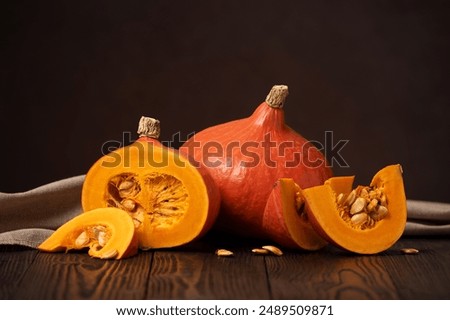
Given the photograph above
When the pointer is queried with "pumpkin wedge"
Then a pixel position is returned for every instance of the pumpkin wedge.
(171, 200)
(109, 233)
(366, 219)
(284, 219)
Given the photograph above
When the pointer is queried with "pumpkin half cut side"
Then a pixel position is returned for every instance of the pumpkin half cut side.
(172, 202)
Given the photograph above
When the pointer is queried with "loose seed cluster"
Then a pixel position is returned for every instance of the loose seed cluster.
(363, 207)
(122, 192)
(94, 237)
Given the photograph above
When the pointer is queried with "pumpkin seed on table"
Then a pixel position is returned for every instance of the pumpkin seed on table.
(274, 250)
(260, 251)
(409, 251)
(224, 253)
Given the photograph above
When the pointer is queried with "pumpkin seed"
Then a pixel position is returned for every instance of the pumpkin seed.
(128, 204)
(358, 206)
(340, 198)
(98, 229)
(364, 193)
(224, 253)
(260, 251)
(382, 212)
(125, 185)
(274, 250)
(383, 200)
(102, 238)
(82, 240)
(409, 251)
(350, 198)
(370, 223)
(372, 205)
(359, 218)
(109, 254)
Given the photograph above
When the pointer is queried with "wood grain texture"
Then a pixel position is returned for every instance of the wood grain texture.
(14, 263)
(78, 276)
(195, 272)
(340, 275)
(200, 274)
(422, 276)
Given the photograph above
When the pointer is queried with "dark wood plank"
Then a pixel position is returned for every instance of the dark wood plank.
(14, 262)
(195, 272)
(422, 276)
(329, 274)
(78, 276)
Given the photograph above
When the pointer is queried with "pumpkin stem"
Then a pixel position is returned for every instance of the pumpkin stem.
(148, 127)
(277, 96)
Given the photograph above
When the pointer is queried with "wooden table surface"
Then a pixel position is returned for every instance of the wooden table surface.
(195, 272)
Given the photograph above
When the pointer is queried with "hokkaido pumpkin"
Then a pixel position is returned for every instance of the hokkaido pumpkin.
(109, 233)
(366, 219)
(247, 156)
(171, 201)
(285, 221)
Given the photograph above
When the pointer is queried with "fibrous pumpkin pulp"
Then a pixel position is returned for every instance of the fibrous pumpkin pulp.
(365, 219)
(246, 157)
(171, 201)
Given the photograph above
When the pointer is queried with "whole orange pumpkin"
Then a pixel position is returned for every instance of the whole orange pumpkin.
(246, 157)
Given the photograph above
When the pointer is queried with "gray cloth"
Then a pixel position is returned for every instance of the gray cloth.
(28, 218)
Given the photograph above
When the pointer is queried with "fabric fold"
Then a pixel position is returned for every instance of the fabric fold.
(48, 206)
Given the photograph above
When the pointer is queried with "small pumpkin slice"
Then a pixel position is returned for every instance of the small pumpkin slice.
(109, 233)
(366, 219)
(285, 221)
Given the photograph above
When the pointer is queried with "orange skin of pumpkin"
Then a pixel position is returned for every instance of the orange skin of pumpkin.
(245, 189)
(284, 225)
(324, 216)
(211, 197)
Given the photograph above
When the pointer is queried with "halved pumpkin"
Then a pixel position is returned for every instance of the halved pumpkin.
(108, 233)
(171, 200)
(284, 220)
(367, 219)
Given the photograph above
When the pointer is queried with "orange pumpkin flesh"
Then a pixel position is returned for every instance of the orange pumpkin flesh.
(107, 232)
(324, 213)
(284, 221)
(172, 202)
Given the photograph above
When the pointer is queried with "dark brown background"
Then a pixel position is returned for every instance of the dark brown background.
(75, 74)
